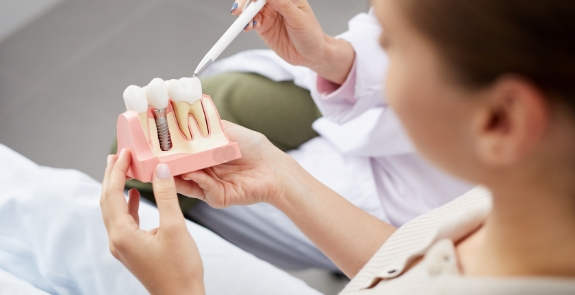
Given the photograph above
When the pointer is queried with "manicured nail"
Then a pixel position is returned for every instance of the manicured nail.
(255, 23)
(246, 26)
(234, 7)
(122, 153)
(163, 171)
(109, 160)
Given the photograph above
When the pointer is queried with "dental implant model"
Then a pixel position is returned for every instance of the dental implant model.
(157, 94)
(172, 122)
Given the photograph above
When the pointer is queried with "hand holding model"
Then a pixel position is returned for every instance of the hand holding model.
(290, 28)
(259, 176)
(166, 259)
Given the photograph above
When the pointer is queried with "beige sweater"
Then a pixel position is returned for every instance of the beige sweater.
(432, 237)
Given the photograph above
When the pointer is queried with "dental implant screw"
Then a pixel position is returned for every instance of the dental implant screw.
(163, 130)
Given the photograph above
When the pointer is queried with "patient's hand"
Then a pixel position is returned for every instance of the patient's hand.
(259, 176)
(166, 260)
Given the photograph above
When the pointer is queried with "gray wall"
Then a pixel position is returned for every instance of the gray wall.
(15, 14)
(62, 75)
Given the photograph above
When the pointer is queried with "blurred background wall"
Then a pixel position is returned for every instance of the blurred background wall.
(15, 14)
(65, 63)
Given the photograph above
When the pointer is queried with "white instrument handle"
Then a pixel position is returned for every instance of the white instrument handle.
(250, 11)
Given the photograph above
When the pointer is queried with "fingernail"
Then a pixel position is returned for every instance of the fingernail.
(121, 153)
(246, 26)
(234, 7)
(109, 160)
(163, 171)
(255, 23)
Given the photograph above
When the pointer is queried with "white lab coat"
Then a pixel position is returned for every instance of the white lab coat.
(362, 153)
(403, 185)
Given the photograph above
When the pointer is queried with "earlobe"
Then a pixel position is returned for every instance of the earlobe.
(513, 122)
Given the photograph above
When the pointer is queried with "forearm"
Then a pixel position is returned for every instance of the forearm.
(343, 232)
(337, 60)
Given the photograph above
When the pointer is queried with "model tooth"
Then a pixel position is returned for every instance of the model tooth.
(157, 94)
(185, 89)
(197, 110)
(186, 95)
(135, 100)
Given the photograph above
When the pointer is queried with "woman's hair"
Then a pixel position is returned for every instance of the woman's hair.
(483, 39)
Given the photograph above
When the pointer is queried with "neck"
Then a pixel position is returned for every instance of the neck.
(530, 232)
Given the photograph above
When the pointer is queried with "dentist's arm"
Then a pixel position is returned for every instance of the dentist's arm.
(290, 28)
(346, 234)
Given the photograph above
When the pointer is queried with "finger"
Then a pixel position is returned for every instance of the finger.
(134, 204)
(232, 130)
(103, 200)
(117, 179)
(208, 185)
(238, 7)
(257, 21)
(189, 189)
(110, 161)
(114, 199)
(249, 26)
(167, 198)
(227, 124)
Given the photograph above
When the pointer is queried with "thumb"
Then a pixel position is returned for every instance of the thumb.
(167, 197)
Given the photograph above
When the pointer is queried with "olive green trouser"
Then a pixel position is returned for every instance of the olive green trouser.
(282, 111)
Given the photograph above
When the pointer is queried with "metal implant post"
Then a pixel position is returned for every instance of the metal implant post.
(163, 130)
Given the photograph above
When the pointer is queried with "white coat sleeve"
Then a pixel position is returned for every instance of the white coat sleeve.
(357, 119)
(366, 77)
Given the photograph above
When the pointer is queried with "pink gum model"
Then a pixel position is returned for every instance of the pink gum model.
(146, 155)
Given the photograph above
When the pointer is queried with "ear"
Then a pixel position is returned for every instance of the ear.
(511, 121)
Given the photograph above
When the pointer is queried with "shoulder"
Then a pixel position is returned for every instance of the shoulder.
(417, 235)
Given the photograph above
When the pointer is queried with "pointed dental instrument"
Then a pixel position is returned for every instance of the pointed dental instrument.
(251, 9)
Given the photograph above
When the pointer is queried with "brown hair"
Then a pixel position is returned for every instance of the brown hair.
(483, 39)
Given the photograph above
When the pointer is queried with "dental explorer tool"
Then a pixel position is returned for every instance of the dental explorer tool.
(251, 9)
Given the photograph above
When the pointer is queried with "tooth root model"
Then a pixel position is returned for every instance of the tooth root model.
(186, 95)
(157, 131)
(135, 100)
(157, 95)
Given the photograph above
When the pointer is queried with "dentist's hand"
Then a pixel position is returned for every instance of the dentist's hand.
(290, 28)
(166, 259)
(261, 175)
